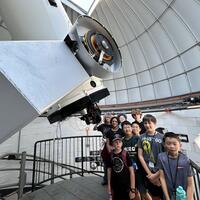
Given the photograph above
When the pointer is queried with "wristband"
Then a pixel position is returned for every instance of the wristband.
(133, 190)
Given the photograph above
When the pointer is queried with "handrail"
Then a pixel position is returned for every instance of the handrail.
(18, 155)
(13, 185)
(194, 165)
(196, 175)
(66, 153)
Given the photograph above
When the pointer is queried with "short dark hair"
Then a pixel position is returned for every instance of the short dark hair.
(149, 118)
(114, 118)
(125, 123)
(136, 122)
(171, 135)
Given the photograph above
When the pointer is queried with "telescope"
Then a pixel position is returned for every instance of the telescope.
(55, 78)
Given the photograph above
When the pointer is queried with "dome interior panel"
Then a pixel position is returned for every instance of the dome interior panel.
(138, 57)
(120, 84)
(156, 6)
(190, 12)
(134, 95)
(127, 64)
(132, 81)
(174, 67)
(122, 22)
(164, 44)
(144, 78)
(162, 89)
(111, 99)
(110, 85)
(191, 58)
(158, 73)
(194, 78)
(134, 21)
(147, 92)
(122, 96)
(143, 13)
(180, 34)
(178, 88)
(150, 51)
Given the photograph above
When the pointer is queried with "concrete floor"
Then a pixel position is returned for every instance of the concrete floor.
(81, 188)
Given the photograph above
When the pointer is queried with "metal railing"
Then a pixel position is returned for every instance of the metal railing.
(61, 158)
(196, 175)
(21, 182)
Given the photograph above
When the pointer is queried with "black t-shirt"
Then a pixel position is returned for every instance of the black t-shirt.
(104, 128)
(130, 145)
(120, 175)
(110, 134)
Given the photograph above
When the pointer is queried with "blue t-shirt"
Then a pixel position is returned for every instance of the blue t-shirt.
(151, 145)
(176, 170)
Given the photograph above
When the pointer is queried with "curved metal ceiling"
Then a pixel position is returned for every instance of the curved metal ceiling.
(159, 42)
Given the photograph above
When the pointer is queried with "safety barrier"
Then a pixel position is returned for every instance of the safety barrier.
(63, 157)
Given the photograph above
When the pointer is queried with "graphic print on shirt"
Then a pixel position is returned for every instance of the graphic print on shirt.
(147, 147)
(118, 164)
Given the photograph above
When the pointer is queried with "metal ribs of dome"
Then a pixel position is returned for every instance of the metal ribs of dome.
(159, 42)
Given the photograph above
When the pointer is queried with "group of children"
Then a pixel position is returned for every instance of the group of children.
(145, 166)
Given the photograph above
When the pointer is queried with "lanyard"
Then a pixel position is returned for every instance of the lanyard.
(176, 173)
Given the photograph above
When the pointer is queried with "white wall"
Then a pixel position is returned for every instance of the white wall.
(40, 129)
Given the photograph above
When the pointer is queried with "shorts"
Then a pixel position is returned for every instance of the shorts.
(154, 190)
(119, 195)
(139, 182)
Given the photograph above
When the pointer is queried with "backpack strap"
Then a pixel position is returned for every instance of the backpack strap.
(124, 158)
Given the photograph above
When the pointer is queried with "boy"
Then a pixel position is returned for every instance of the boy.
(130, 145)
(174, 168)
(149, 146)
(121, 177)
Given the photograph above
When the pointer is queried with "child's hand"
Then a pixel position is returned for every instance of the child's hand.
(110, 196)
(157, 182)
(152, 177)
(131, 195)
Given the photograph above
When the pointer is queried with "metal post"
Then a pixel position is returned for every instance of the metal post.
(34, 167)
(81, 156)
(19, 141)
(22, 175)
(52, 172)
